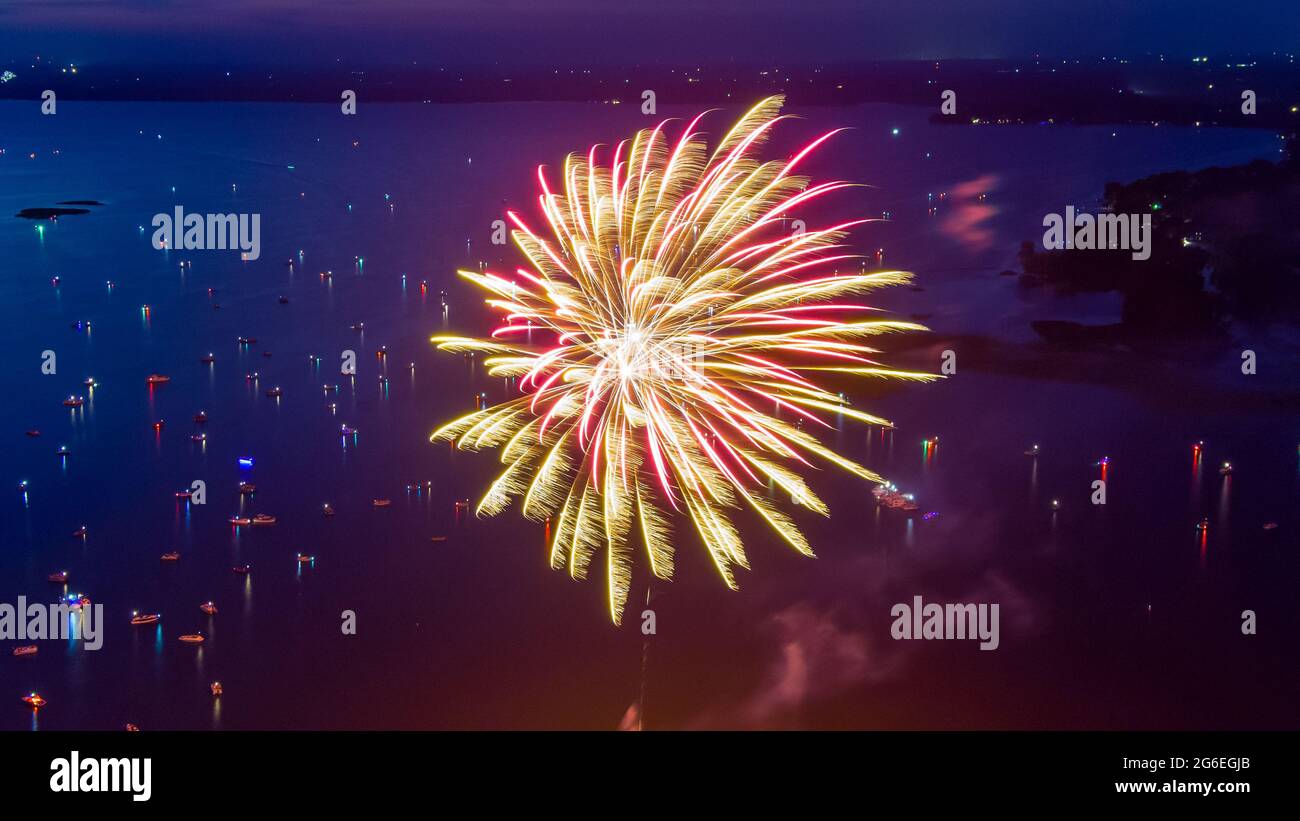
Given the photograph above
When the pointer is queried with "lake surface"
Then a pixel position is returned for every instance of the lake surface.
(1114, 616)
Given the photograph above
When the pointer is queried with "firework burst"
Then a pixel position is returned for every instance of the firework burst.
(684, 318)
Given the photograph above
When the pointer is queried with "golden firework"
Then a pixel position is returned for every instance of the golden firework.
(685, 310)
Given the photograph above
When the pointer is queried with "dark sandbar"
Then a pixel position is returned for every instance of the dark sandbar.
(49, 213)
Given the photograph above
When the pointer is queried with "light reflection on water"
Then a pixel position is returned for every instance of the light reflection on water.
(483, 599)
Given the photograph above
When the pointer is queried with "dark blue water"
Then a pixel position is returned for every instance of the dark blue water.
(1114, 616)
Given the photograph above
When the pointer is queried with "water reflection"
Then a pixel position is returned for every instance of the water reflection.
(1225, 503)
(1203, 541)
(1196, 473)
(299, 473)
(74, 631)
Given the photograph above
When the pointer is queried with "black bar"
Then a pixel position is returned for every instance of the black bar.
(200, 771)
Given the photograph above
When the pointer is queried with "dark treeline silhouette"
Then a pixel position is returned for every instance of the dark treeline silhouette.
(1225, 246)
(1029, 90)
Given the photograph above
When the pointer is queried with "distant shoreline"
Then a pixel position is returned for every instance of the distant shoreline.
(988, 92)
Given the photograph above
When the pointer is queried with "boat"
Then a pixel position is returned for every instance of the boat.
(157, 379)
(247, 340)
(34, 432)
(209, 608)
(247, 488)
(1226, 469)
(159, 424)
(171, 557)
(77, 601)
(131, 728)
(382, 502)
(63, 450)
(198, 437)
(437, 538)
(284, 300)
(303, 558)
(74, 401)
(26, 650)
(201, 417)
(215, 687)
(889, 496)
(184, 494)
(208, 359)
(144, 618)
(1270, 525)
(58, 578)
(251, 377)
(192, 638)
(330, 388)
(1203, 524)
(79, 533)
(1032, 451)
(240, 520)
(360, 326)
(89, 381)
(263, 519)
(327, 510)
(347, 430)
(242, 569)
(275, 392)
(35, 700)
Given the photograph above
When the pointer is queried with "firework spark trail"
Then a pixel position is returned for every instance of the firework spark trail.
(685, 319)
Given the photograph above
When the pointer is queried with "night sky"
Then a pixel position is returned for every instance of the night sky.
(520, 32)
